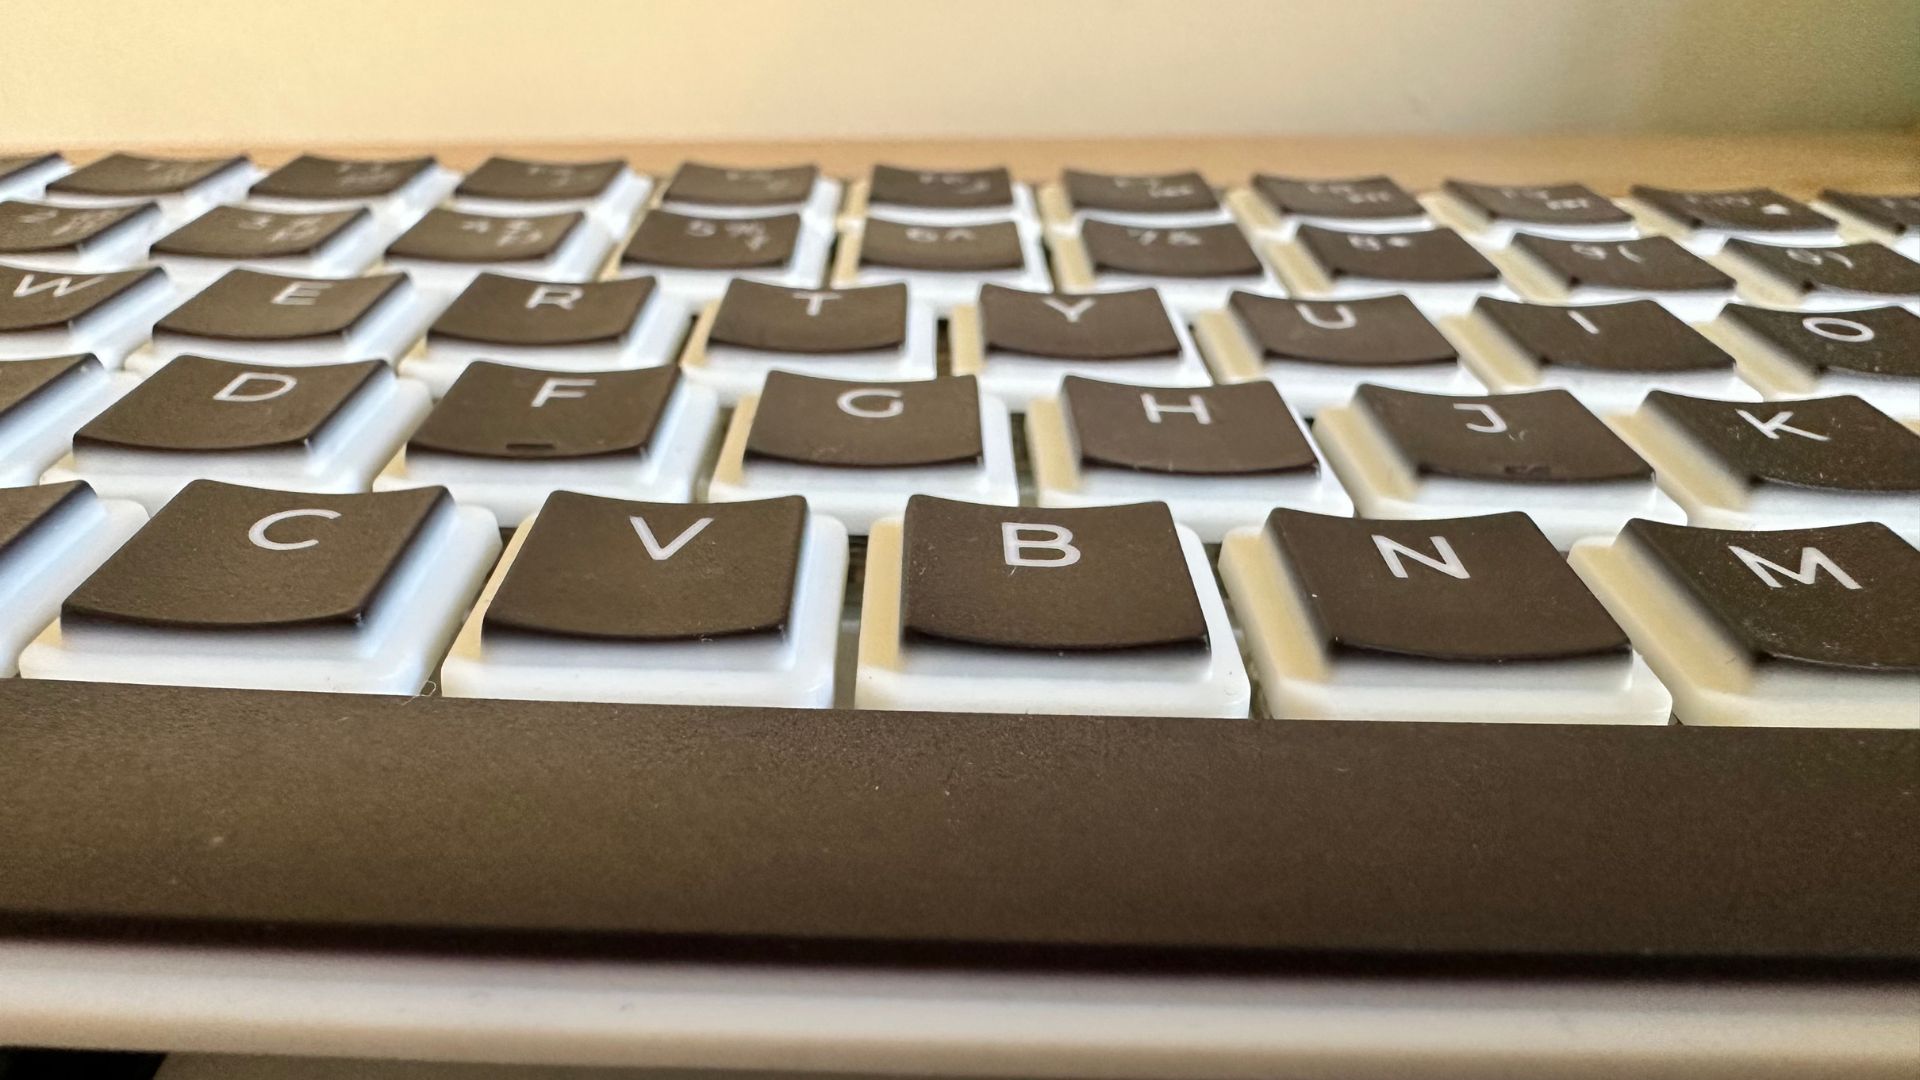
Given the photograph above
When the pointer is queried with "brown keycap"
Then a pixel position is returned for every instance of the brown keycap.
(1197, 251)
(940, 189)
(1650, 264)
(1635, 335)
(776, 319)
(1181, 192)
(310, 176)
(1873, 341)
(1743, 210)
(33, 228)
(23, 381)
(1239, 430)
(451, 236)
(227, 557)
(135, 176)
(1361, 197)
(523, 414)
(514, 179)
(38, 300)
(195, 404)
(866, 425)
(613, 570)
(1835, 443)
(237, 232)
(1895, 213)
(1424, 255)
(1487, 589)
(1124, 325)
(1382, 330)
(717, 185)
(25, 510)
(1021, 577)
(1854, 268)
(992, 245)
(665, 238)
(1544, 436)
(1540, 204)
(1844, 596)
(247, 305)
(501, 310)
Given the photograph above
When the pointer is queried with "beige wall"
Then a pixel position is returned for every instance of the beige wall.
(78, 73)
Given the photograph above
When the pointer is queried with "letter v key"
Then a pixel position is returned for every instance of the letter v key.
(1072, 311)
(654, 549)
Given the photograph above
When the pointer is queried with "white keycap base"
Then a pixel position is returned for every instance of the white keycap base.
(1019, 378)
(1189, 296)
(31, 183)
(1184, 296)
(397, 210)
(37, 575)
(1304, 277)
(1264, 220)
(819, 208)
(1487, 232)
(1505, 369)
(343, 458)
(1384, 485)
(1209, 505)
(942, 290)
(894, 674)
(613, 209)
(386, 332)
(39, 431)
(1778, 375)
(654, 339)
(795, 670)
(1855, 229)
(697, 288)
(1708, 242)
(121, 246)
(1021, 210)
(394, 652)
(735, 373)
(110, 332)
(1713, 681)
(515, 490)
(1538, 283)
(1760, 285)
(1299, 681)
(859, 497)
(1714, 497)
(578, 258)
(350, 253)
(178, 208)
(1059, 214)
(1310, 387)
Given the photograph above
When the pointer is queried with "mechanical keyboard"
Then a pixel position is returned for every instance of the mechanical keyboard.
(1085, 594)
